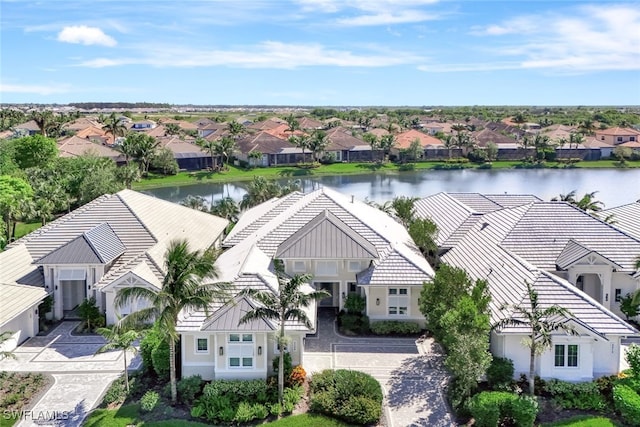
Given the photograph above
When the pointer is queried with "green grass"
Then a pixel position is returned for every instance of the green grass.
(234, 174)
(584, 421)
(22, 229)
(129, 415)
(307, 420)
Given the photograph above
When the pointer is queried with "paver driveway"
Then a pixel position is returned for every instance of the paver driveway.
(410, 371)
(80, 377)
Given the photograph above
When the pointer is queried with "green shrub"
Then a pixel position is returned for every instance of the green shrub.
(288, 365)
(244, 413)
(152, 338)
(189, 388)
(632, 356)
(605, 385)
(160, 359)
(354, 303)
(392, 327)
(291, 397)
(500, 372)
(90, 314)
(352, 396)
(584, 396)
(627, 402)
(149, 401)
(236, 391)
(351, 322)
(491, 408)
(116, 392)
(260, 412)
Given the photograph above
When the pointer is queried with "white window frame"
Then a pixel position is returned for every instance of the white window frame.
(565, 356)
(351, 264)
(297, 268)
(197, 348)
(328, 269)
(397, 299)
(242, 349)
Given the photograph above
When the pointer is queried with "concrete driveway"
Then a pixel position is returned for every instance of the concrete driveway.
(80, 377)
(410, 371)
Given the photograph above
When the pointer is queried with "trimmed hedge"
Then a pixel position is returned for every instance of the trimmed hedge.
(352, 396)
(490, 408)
(627, 402)
(500, 372)
(586, 395)
(389, 327)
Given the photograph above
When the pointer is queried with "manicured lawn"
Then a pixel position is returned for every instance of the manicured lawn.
(238, 174)
(584, 421)
(23, 229)
(129, 415)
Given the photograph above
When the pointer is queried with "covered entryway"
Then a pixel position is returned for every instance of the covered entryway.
(332, 288)
(73, 284)
(590, 284)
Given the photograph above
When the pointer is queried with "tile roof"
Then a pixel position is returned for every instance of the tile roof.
(404, 139)
(75, 146)
(15, 299)
(625, 218)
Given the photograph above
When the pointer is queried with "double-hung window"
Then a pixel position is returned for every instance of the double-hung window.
(240, 351)
(202, 345)
(565, 355)
(398, 301)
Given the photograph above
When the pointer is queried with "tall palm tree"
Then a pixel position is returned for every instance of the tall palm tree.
(119, 340)
(317, 143)
(114, 126)
(285, 306)
(302, 142)
(224, 147)
(197, 203)
(44, 120)
(210, 146)
(293, 124)
(575, 139)
(387, 142)
(235, 129)
(258, 191)
(183, 288)
(589, 204)
(541, 322)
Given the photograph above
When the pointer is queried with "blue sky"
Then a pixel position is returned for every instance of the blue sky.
(321, 52)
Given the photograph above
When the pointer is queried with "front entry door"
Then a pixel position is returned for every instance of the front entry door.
(329, 287)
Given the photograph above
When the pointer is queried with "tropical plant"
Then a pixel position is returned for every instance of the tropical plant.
(226, 208)
(424, 233)
(293, 124)
(119, 340)
(403, 209)
(197, 203)
(254, 158)
(235, 129)
(541, 321)
(183, 288)
(113, 125)
(387, 142)
(34, 151)
(141, 147)
(4, 337)
(14, 192)
(128, 174)
(210, 146)
(288, 304)
(260, 190)
(224, 147)
(44, 120)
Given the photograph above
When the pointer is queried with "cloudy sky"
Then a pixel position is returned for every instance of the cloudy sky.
(321, 52)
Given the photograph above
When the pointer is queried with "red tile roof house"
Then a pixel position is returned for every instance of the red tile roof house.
(432, 148)
(618, 135)
(275, 151)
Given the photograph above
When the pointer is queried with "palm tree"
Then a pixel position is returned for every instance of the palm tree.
(256, 156)
(570, 197)
(317, 143)
(574, 139)
(210, 146)
(5, 336)
(387, 142)
(128, 174)
(197, 203)
(293, 124)
(302, 142)
(235, 129)
(285, 306)
(403, 208)
(119, 340)
(587, 127)
(589, 204)
(372, 140)
(224, 147)
(44, 120)
(541, 322)
(182, 289)
(114, 126)
(226, 208)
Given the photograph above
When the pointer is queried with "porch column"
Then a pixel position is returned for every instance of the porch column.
(605, 282)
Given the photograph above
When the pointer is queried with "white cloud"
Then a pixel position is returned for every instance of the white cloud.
(387, 18)
(82, 34)
(268, 54)
(49, 89)
(372, 12)
(584, 39)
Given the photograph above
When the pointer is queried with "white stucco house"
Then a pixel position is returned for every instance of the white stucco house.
(115, 241)
(344, 245)
(572, 259)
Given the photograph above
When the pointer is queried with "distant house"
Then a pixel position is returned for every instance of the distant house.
(346, 246)
(187, 154)
(348, 148)
(26, 129)
(617, 135)
(142, 125)
(115, 241)
(275, 151)
(432, 148)
(571, 259)
(75, 146)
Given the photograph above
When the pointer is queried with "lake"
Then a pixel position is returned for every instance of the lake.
(614, 186)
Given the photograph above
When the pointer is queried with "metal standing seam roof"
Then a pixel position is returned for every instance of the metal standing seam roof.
(326, 236)
(228, 318)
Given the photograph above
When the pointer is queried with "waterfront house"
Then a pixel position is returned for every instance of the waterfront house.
(345, 245)
(570, 257)
(115, 241)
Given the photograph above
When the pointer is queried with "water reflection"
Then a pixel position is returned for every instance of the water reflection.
(615, 187)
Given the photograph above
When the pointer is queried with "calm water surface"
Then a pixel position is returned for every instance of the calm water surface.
(615, 186)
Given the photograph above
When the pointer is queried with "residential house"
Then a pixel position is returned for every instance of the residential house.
(275, 151)
(617, 135)
(571, 258)
(432, 148)
(142, 125)
(115, 241)
(186, 153)
(345, 147)
(75, 146)
(345, 245)
(26, 129)
(624, 218)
